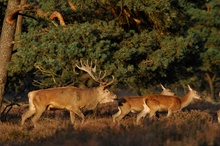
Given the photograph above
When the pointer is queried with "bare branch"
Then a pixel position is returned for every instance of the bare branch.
(13, 14)
(71, 6)
(59, 16)
(138, 21)
(45, 72)
(39, 84)
(8, 107)
(208, 7)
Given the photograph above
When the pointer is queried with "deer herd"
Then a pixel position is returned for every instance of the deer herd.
(76, 100)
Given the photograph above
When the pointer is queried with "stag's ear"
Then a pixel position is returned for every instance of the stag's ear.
(190, 89)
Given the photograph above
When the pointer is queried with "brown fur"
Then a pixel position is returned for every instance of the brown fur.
(134, 104)
(70, 98)
(168, 103)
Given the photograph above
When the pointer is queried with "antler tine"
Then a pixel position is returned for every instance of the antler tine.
(78, 66)
(85, 67)
(87, 62)
(101, 78)
(105, 84)
(93, 68)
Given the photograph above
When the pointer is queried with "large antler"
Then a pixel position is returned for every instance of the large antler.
(92, 70)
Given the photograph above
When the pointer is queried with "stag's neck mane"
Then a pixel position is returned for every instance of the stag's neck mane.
(185, 101)
(94, 91)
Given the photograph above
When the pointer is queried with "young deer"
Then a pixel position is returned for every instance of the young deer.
(134, 104)
(155, 103)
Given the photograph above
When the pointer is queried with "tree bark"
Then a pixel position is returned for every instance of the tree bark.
(211, 86)
(6, 45)
(19, 26)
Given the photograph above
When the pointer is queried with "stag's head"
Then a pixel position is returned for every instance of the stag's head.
(107, 96)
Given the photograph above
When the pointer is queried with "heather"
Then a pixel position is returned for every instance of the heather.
(195, 125)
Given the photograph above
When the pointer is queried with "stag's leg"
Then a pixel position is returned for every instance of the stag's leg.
(29, 113)
(26, 115)
(143, 113)
(72, 117)
(39, 111)
(79, 113)
(116, 114)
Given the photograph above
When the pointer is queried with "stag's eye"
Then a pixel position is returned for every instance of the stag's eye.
(106, 91)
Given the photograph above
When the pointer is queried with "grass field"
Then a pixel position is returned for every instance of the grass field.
(195, 125)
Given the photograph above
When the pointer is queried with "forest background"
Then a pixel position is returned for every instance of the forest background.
(142, 43)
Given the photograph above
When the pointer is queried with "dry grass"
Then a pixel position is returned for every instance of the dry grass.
(195, 125)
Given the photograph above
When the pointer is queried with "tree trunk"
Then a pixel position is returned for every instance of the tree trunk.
(211, 86)
(6, 45)
(18, 30)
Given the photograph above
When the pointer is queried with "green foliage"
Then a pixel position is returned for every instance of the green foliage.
(141, 43)
(207, 26)
(163, 16)
(56, 52)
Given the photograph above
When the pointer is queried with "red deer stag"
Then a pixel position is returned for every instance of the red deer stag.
(70, 98)
(134, 104)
